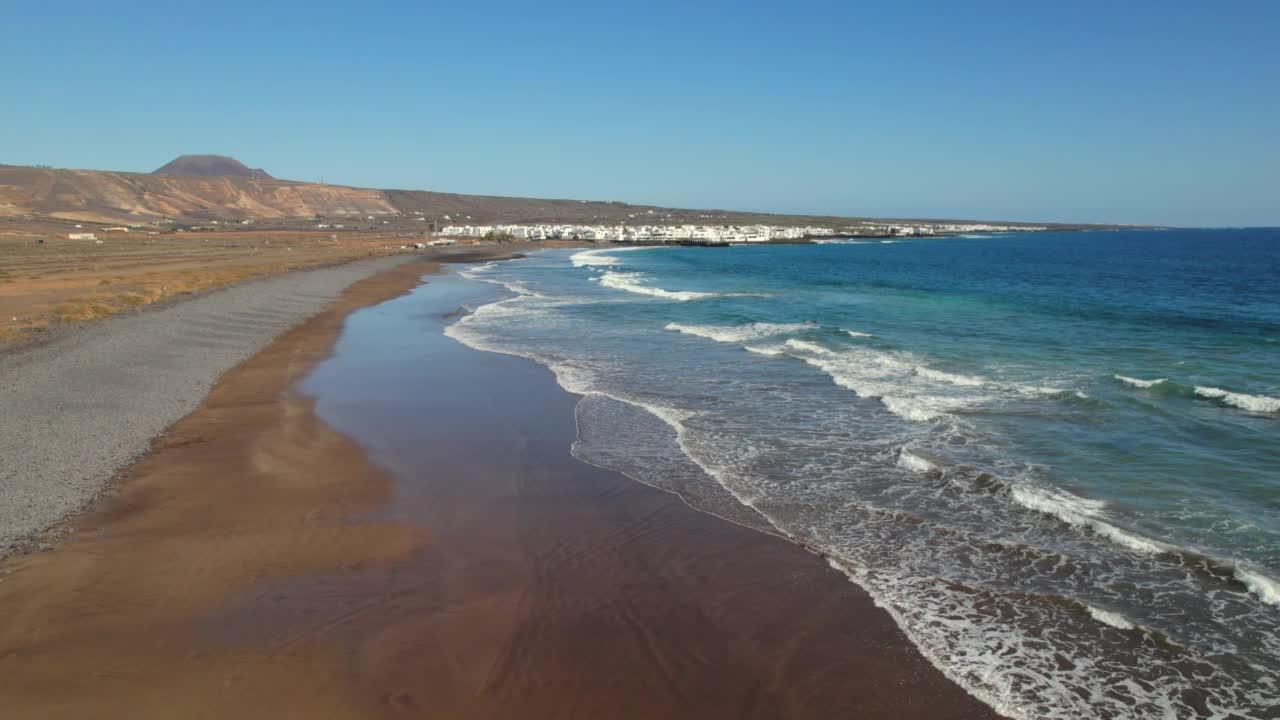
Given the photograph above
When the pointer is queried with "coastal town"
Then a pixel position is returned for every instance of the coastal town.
(714, 234)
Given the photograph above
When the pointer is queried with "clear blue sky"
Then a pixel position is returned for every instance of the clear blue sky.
(1119, 111)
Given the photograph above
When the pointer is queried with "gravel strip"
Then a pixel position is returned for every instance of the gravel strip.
(74, 411)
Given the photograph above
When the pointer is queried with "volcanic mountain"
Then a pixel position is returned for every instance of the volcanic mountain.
(210, 166)
(208, 187)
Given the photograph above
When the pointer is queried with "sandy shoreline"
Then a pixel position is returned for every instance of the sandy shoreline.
(256, 563)
(74, 410)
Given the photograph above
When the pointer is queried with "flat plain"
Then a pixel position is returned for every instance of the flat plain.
(48, 281)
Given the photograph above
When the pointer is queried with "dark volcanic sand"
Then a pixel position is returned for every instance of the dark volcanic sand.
(552, 588)
(256, 564)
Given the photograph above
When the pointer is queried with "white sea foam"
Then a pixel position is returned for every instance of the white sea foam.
(573, 378)
(1083, 513)
(634, 283)
(1138, 382)
(514, 286)
(914, 409)
(1252, 403)
(1036, 390)
(855, 333)
(1266, 588)
(910, 461)
(592, 258)
(601, 257)
(975, 381)
(1131, 540)
(1072, 509)
(582, 381)
(1114, 619)
(986, 651)
(953, 378)
(807, 346)
(677, 420)
(891, 377)
(739, 333)
(517, 287)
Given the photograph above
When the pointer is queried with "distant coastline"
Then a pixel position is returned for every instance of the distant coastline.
(164, 201)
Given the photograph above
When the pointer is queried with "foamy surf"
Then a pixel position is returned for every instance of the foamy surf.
(1266, 588)
(991, 590)
(807, 346)
(917, 409)
(739, 333)
(873, 374)
(909, 388)
(1252, 403)
(1107, 617)
(1242, 401)
(602, 257)
(593, 258)
(1084, 513)
(634, 283)
(952, 378)
(1138, 382)
(913, 462)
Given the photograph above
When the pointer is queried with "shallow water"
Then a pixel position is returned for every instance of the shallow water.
(1052, 456)
(545, 583)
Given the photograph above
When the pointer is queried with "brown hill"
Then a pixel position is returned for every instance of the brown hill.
(114, 197)
(99, 196)
(210, 165)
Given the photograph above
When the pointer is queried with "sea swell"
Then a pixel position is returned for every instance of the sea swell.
(1252, 403)
(908, 387)
(739, 333)
(991, 567)
(635, 283)
(603, 257)
(1260, 404)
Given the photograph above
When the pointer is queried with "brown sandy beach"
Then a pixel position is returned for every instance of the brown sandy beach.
(258, 563)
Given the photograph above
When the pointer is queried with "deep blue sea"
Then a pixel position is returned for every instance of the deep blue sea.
(1053, 457)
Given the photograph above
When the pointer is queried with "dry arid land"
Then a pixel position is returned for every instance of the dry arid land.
(46, 285)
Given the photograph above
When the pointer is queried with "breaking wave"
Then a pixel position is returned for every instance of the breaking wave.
(1266, 588)
(910, 461)
(739, 333)
(602, 257)
(1241, 401)
(1083, 513)
(634, 283)
(1014, 587)
(954, 379)
(909, 388)
(1138, 382)
(1114, 619)
(1252, 403)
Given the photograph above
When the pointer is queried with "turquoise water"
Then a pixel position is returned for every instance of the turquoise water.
(1051, 456)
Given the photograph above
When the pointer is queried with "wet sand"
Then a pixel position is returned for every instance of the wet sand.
(408, 536)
